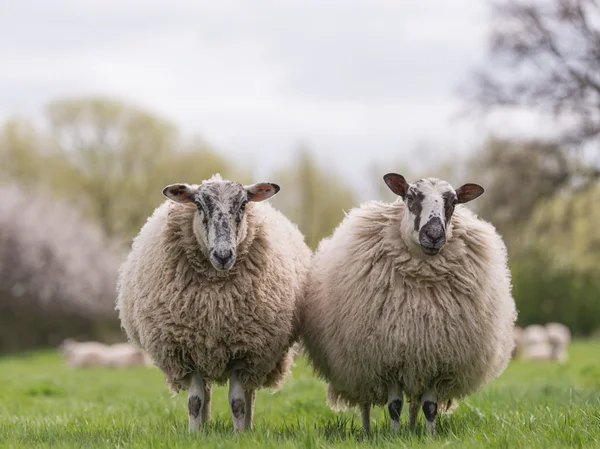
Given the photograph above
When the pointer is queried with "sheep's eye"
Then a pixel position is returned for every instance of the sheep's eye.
(409, 200)
(243, 206)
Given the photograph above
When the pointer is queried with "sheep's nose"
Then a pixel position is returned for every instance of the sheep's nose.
(223, 256)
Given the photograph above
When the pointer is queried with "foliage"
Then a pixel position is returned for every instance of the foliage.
(534, 405)
(57, 276)
(544, 57)
(313, 199)
(516, 176)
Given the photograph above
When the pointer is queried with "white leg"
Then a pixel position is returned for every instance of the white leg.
(429, 403)
(237, 403)
(197, 402)
(395, 407)
(250, 396)
(365, 414)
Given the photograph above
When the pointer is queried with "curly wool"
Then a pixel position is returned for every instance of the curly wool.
(377, 314)
(188, 317)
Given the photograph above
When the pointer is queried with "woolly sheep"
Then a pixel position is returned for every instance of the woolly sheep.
(209, 291)
(412, 298)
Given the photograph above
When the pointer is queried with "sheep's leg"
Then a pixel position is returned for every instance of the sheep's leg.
(395, 407)
(429, 402)
(413, 412)
(237, 402)
(198, 402)
(206, 403)
(250, 396)
(365, 414)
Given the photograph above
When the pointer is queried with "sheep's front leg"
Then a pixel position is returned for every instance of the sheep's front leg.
(199, 393)
(429, 403)
(365, 414)
(250, 396)
(237, 402)
(395, 407)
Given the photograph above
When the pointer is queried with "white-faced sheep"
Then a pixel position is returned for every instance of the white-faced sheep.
(412, 298)
(209, 291)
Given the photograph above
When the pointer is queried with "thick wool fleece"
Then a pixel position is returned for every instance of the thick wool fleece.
(189, 317)
(377, 314)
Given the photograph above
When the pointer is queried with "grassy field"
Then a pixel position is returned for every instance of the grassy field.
(44, 404)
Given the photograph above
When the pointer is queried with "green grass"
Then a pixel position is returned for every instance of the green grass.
(45, 404)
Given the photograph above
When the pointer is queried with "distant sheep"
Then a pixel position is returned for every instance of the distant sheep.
(90, 353)
(535, 343)
(559, 337)
(409, 298)
(209, 290)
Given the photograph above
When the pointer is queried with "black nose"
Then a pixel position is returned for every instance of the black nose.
(223, 256)
(434, 236)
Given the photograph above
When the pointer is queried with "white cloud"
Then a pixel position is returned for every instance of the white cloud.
(359, 81)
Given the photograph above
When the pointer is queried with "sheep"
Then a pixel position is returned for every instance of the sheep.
(91, 353)
(209, 291)
(536, 345)
(559, 337)
(82, 354)
(409, 298)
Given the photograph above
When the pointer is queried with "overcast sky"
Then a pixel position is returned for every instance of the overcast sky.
(357, 81)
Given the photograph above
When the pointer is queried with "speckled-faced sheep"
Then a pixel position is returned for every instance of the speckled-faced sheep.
(209, 291)
(409, 298)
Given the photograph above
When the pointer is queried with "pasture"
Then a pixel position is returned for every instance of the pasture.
(45, 404)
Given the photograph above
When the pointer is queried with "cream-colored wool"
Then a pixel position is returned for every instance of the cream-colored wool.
(376, 313)
(189, 317)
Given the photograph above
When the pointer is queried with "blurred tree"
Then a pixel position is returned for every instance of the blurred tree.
(126, 156)
(564, 229)
(27, 158)
(557, 275)
(314, 199)
(545, 57)
(516, 176)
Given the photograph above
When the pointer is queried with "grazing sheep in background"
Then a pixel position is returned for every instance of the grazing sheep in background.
(535, 343)
(90, 353)
(518, 335)
(409, 298)
(209, 291)
(82, 354)
(559, 336)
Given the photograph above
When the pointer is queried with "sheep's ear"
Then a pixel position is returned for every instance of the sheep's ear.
(397, 184)
(468, 192)
(261, 191)
(182, 193)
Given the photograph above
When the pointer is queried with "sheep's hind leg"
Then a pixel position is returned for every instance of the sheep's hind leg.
(413, 411)
(198, 402)
(429, 403)
(395, 407)
(237, 402)
(365, 414)
(250, 396)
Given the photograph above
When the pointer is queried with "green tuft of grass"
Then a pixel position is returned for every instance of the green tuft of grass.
(532, 405)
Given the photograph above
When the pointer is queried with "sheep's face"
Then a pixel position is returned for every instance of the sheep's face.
(221, 222)
(429, 207)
